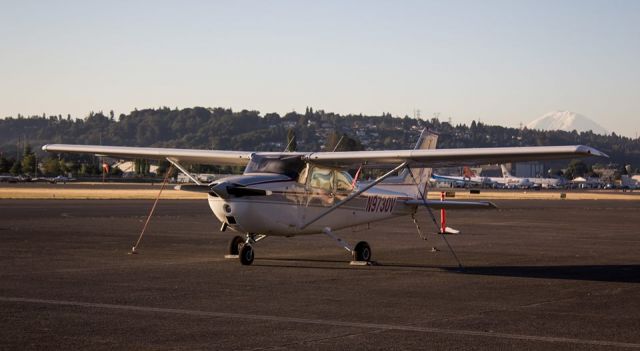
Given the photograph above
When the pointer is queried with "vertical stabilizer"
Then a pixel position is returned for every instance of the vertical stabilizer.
(427, 140)
(505, 172)
(467, 173)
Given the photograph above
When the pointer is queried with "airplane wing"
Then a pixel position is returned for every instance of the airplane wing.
(212, 157)
(419, 157)
(450, 157)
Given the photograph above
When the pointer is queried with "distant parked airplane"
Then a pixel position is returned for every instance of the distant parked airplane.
(518, 182)
(468, 177)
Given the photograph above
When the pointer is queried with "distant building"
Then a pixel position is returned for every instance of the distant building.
(529, 170)
(490, 171)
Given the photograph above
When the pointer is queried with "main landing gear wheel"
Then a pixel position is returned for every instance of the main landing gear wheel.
(246, 255)
(362, 252)
(235, 244)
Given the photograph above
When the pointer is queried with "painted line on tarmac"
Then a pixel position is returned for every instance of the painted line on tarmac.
(391, 327)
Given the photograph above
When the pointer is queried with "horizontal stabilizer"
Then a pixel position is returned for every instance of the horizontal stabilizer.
(453, 205)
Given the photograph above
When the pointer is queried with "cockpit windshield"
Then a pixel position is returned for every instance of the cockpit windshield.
(289, 165)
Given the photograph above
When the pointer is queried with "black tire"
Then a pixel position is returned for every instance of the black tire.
(246, 255)
(362, 252)
(235, 244)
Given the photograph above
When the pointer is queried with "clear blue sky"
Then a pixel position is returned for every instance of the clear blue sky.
(502, 62)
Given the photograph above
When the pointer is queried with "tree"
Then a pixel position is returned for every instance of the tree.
(163, 167)
(576, 168)
(52, 166)
(16, 168)
(28, 160)
(147, 167)
(138, 167)
(554, 172)
(5, 164)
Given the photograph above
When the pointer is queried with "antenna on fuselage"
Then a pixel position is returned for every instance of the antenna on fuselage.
(289, 144)
(338, 143)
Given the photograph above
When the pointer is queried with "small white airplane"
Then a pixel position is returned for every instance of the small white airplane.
(520, 182)
(302, 193)
(468, 177)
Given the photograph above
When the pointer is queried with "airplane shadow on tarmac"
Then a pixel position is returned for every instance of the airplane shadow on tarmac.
(603, 273)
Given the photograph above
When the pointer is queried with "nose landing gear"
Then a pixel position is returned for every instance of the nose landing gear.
(234, 246)
(242, 248)
(246, 255)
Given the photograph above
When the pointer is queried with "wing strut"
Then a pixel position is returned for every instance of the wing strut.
(357, 193)
(423, 196)
(179, 166)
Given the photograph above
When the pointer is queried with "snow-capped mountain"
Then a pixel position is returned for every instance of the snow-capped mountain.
(567, 121)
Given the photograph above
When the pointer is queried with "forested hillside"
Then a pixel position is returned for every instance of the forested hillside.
(219, 128)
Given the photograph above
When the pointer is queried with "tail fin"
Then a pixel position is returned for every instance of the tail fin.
(468, 173)
(427, 140)
(505, 172)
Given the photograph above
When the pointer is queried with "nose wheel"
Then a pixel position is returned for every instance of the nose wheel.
(234, 245)
(246, 255)
(242, 248)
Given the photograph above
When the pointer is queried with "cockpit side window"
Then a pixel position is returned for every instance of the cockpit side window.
(343, 181)
(321, 178)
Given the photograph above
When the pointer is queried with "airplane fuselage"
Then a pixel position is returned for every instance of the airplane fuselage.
(288, 205)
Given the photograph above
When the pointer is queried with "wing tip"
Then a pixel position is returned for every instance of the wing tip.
(590, 151)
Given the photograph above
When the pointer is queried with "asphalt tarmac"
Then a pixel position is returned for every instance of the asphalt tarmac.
(536, 275)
